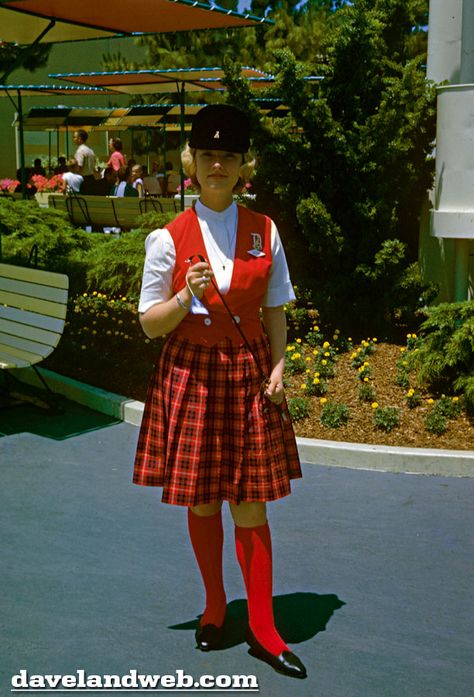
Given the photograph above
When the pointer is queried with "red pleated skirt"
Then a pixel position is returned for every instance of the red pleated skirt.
(207, 433)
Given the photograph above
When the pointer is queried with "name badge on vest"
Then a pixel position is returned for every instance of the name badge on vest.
(257, 248)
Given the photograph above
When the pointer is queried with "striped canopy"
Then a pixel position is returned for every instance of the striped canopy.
(155, 81)
(22, 21)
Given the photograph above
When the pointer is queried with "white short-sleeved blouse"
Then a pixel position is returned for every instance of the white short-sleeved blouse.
(219, 233)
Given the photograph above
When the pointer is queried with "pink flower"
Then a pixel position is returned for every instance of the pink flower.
(9, 185)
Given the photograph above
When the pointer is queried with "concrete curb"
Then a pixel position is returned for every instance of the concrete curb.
(383, 458)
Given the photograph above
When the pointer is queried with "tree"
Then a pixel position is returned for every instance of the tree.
(346, 173)
(28, 58)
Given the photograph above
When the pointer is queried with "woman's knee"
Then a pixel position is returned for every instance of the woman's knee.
(207, 509)
(249, 514)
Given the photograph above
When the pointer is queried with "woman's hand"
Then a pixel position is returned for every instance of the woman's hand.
(198, 278)
(274, 390)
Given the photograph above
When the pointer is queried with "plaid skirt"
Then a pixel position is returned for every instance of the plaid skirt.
(208, 433)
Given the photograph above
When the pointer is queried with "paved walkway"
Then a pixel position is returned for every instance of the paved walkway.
(373, 573)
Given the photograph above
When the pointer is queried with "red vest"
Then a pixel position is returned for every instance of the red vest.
(248, 284)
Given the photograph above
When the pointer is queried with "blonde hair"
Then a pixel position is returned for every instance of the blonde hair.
(188, 160)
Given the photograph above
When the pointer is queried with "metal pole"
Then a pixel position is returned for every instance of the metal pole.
(182, 141)
(22, 146)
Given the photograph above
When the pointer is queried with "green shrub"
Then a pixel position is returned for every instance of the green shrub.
(402, 378)
(412, 398)
(298, 408)
(334, 415)
(314, 385)
(386, 418)
(444, 354)
(435, 422)
(450, 407)
(294, 362)
(366, 392)
(61, 247)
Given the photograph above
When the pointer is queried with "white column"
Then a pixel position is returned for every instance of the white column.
(467, 45)
(444, 41)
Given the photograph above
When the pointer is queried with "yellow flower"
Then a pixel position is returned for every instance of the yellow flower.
(326, 344)
(335, 337)
(455, 399)
(408, 336)
(374, 339)
(315, 353)
(94, 293)
(307, 358)
(366, 379)
(327, 353)
(354, 355)
(402, 349)
(316, 374)
(303, 386)
(123, 298)
(411, 392)
(350, 338)
(413, 336)
(337, 331)
(298, 341)
(430, 401)
(308, 371)
(315, 328)
(316, 381)
(374, 405)
(323, 362)
(84, 295)
(290, 348)
(323, 400)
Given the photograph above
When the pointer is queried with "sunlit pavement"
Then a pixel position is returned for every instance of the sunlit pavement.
(373, 572)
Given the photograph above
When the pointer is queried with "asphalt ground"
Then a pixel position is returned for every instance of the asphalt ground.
(373, 572)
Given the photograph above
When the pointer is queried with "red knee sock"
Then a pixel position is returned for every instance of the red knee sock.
(254, 552)
(207, 538)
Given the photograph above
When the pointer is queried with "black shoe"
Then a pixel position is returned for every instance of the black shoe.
(287, 663)
(209, 637)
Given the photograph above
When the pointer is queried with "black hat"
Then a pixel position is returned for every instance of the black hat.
(220, 127)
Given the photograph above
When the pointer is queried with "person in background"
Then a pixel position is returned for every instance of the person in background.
(124, 187)
(136, 180)
(216, 425)
(117, 159)
(157, 171)
(72, 178)
(84, 155)
(173, 180)
(61, 166)
(38, 168)
(104, 186)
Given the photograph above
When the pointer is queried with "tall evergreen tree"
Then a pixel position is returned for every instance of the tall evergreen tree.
(346, 173)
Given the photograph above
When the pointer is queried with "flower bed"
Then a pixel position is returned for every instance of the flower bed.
(337, 389)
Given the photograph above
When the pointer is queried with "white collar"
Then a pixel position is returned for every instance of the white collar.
(209, 214)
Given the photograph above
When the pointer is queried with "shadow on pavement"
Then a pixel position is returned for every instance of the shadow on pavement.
(70, 419)
(298, 617)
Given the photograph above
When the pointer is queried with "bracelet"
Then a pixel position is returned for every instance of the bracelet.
(181, 304)
(189, 288)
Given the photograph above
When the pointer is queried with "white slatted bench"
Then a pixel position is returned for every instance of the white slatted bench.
(109, 211)
(33, 305)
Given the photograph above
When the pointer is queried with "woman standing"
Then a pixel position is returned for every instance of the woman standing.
(211, 430)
